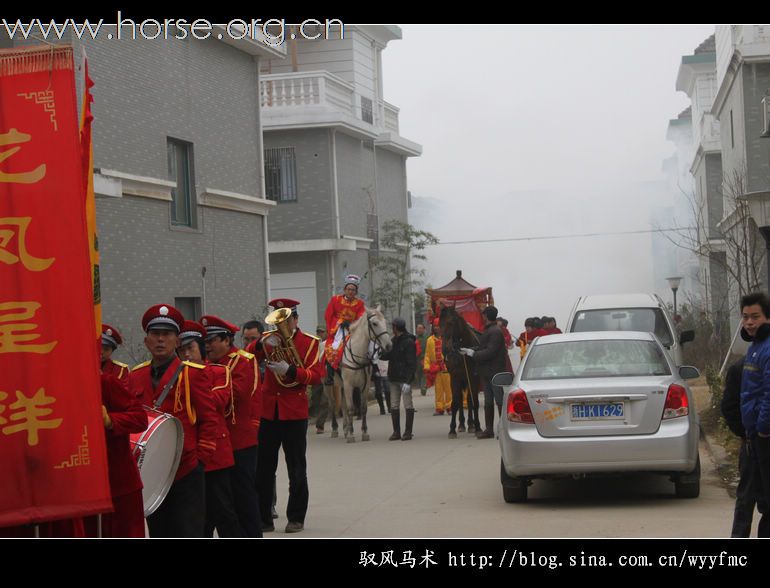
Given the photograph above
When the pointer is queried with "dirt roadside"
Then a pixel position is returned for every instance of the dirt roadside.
(721, 443)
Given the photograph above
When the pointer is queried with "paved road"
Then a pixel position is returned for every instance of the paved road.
(432, 486)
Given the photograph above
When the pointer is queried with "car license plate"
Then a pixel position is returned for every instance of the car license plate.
(598, 412)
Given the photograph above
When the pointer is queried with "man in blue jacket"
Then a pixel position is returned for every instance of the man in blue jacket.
(755, 399)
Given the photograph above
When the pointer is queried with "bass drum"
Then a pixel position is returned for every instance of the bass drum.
(157, 451)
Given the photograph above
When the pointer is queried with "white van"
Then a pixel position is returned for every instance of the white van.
(628, 312)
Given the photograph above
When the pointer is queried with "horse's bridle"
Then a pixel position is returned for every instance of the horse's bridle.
(375, 338)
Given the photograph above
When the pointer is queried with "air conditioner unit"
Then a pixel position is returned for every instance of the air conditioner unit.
(765, 117)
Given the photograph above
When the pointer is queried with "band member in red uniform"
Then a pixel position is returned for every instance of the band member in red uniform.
(111, 339)
(183, 389)
(220, 508)
(123, 414)
(243, 422)
(342, 310)
(285, 414)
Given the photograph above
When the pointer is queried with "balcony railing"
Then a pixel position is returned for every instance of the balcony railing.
(293, 92)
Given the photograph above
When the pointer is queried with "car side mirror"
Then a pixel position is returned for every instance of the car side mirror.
(686, 337)
(503, 379)
(687, 372)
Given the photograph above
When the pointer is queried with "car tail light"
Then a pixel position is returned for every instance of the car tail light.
(518, 408)
(677, 404)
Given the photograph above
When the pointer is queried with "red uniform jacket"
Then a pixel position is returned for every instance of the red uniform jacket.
(222, 393)
(507, 337)
(117, 369)
(127, 416)
(190, 401)
(289, 394)
(243, 422)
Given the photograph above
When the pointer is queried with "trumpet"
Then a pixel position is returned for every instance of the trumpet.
(286, 351)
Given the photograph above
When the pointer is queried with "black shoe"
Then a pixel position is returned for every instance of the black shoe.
(294, 527)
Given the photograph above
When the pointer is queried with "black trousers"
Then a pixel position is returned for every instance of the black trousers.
(243, 480)
(744, 496)
(759, 455)
(220, 508)
(183, 512)
(292, 436)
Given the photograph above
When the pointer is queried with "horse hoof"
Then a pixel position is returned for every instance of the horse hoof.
(452, 435)
(365, 437)
(461, 428)
(471, 429)
(351, 439)
(335, 434)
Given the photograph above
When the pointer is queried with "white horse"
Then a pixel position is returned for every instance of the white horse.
(367, 333)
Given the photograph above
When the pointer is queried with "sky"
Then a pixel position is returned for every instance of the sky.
(539, 131)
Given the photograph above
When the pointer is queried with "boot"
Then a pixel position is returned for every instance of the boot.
(489, 420)
(396, 416)
(409, 422)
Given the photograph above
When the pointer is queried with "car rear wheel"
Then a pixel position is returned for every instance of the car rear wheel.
(688, 485)
(514, 489)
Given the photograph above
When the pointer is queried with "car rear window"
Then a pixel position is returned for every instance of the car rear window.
(595, 358)
(647, 320)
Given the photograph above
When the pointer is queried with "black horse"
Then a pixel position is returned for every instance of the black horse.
(457, 333)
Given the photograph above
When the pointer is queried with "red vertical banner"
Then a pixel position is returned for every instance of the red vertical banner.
(52, 448)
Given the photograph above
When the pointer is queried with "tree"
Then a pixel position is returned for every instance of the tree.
(397, 281)
(734, 244)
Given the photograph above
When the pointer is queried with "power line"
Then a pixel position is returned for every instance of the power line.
(574, 236)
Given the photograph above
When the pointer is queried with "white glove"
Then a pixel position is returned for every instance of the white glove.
(271, 341)
(278, 367)
(467, 351)
(406, 388)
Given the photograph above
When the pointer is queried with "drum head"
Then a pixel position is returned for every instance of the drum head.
(162, 453)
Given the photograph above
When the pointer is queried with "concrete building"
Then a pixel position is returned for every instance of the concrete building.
(672, 259)
(335, 164)
(181, 213)
(697, 78)
(740, 106)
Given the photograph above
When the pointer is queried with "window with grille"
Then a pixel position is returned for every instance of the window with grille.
(180, 171)
(280, 174)
(367, 112)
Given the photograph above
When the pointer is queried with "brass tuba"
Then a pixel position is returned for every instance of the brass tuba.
(286, 351)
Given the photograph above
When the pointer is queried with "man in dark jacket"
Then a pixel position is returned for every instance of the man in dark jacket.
(731, 411)
(755, 399)
(402, 360)
(490, 359)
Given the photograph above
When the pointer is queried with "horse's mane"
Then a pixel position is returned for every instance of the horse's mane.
(456, 318)
(368, 312)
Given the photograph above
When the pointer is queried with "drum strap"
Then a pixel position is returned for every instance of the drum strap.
(168, 386)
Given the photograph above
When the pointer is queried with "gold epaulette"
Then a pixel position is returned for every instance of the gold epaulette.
(246, 354)
(141, 365)
(120, 364)
(195, 365)
(233, 354)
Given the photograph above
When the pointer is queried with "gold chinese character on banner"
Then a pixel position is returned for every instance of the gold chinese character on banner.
(28, 416)
(19, 227)
(10, 138)
(14, 337)
(3, 396)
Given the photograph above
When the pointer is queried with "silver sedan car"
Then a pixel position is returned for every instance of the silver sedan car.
(594, 404)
